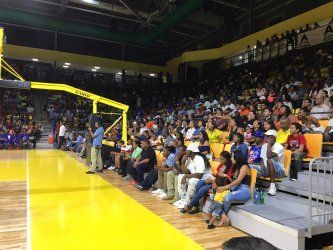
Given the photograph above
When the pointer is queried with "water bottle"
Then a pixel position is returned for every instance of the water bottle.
(256, 197)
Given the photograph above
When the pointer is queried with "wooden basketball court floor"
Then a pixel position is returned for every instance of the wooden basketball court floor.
(48, 202)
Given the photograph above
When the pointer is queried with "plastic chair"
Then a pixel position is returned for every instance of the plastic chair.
(217, 148)
(314, 145)
(213, 166)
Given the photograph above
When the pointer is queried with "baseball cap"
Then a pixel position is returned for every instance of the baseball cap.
(193, 148)
(271, 132)
(262, 98)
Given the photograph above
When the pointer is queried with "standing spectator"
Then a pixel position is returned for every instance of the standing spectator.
(62, 131)
(96, 157)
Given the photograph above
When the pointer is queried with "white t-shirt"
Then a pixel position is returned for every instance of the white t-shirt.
(197, 166)
(277, 148)
(189, 133)
(331, 125)
(322, 108)
(62, 130)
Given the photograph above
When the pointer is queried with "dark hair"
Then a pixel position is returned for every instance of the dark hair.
(171, 149)
(306, 110)
(298, 126)
(245, 243)
(226, 155)
(204, 137)
(240, 158)
(137, 142)
(288, 112)
(240, 136)
(271, 123)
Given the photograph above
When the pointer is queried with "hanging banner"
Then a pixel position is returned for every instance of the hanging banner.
(315, 36)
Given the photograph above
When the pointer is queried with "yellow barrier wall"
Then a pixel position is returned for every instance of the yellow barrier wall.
(51, 55)
(315, 15)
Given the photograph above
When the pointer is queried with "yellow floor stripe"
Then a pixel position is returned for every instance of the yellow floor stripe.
(70, 210)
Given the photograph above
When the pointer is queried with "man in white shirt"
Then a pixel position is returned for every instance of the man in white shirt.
(195, 170)
(62, 132)
(320, 107)
(272, 155)
(190, 131)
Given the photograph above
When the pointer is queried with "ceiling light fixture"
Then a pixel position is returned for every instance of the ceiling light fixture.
(65, 66)
(94, 70)
(96, 67)
(68, 64)
(35, 59)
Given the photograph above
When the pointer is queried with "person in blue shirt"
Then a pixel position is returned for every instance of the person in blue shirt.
(24, 139)
(255, 150)
(3, 140)
(11, 138)
(96, 148)
(238, 143)
(78, 144)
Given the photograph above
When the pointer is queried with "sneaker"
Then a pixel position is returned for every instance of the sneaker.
(157, 191)
(127, 178)
(169, 197)
(272, 190)
(162, 195)
(139, 187)
(176, 204)
(293, 179)
(112, 168)
(181, 205)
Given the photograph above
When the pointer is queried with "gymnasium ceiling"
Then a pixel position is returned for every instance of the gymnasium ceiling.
(209, 18)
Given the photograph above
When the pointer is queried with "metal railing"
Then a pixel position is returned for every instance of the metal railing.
(320, 193)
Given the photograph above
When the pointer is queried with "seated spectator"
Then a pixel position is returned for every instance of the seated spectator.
(172, 176)
(284, 112)
(234, 127)
(328, 133)
(167, 165)
(213, 133)
(296, 142)
(124, 161)
(283, 133)
(272, 155)
(248, 135)
(190, 131)
(255, 150)
(239, 187)
(268, 125)
(225, 170)
(4, 137)
(215, 209)
(321, 111)
(144, 164)
(197, 167)
(238, 144)
(309, 122)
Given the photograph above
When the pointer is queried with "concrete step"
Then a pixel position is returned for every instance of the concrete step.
(316, 176)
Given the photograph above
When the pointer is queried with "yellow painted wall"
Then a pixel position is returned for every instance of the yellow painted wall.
(315, 15)
(50, 55)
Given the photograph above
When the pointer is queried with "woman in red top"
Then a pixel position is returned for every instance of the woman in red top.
(296, 142)
(225, 169)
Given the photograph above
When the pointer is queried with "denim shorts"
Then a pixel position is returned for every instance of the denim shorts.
(216, 209)
(279, 170)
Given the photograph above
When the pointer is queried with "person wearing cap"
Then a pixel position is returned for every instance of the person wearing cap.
(272, 154)
(196, 168)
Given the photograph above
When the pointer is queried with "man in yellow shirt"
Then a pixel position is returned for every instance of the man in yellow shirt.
(283, 133)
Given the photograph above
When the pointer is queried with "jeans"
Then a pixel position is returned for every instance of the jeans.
(296, 164)
(202, 189)
(150, 179)
(241, 193)
(138, 172)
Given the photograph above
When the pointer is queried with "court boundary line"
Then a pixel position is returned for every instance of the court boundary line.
(28, 204)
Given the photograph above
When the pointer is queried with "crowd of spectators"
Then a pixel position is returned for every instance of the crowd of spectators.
(17, 129)
(259, 113)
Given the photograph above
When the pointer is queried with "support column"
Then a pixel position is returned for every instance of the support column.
(94, 107)
(124, 135)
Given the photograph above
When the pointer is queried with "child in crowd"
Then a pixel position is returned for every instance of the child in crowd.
(248, 137)
(296, 142)
(215, 208)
